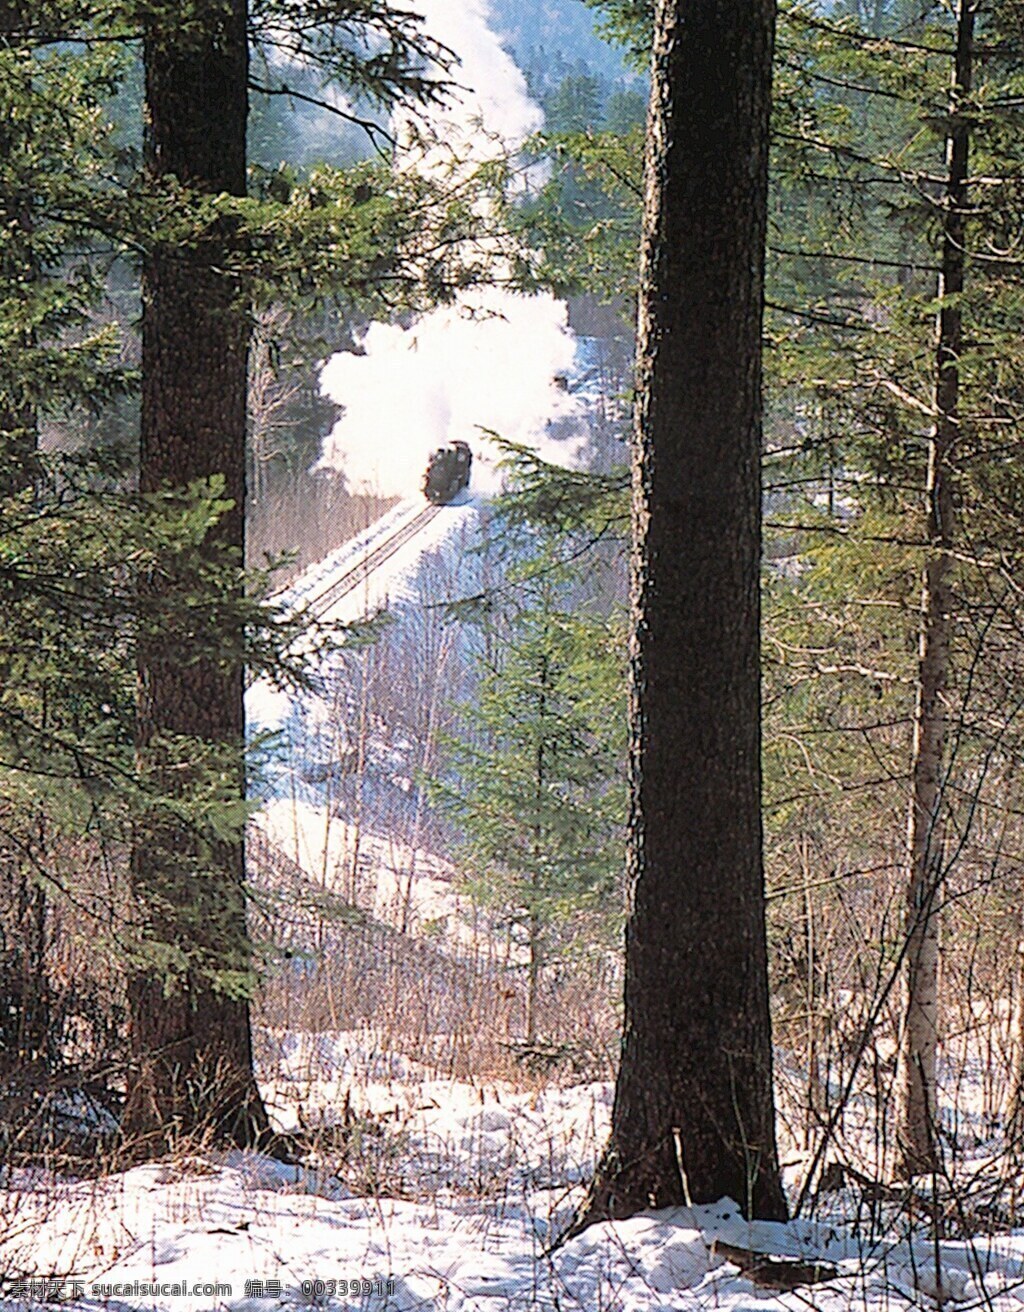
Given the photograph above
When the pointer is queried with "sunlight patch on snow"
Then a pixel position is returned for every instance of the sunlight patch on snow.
(322, 844)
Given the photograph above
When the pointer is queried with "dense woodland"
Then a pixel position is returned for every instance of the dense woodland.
(741, 686)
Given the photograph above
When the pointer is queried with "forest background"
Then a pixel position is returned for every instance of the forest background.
(891, 576)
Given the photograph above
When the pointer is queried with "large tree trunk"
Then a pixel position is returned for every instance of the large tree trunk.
(191, 1041)
(693, 1116)
(918, 1145)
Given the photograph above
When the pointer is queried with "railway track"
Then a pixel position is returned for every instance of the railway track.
(341, 586)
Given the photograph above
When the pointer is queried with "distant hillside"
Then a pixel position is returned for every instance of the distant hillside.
(562, 31)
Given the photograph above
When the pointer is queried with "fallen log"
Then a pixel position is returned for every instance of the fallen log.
(773, 1272)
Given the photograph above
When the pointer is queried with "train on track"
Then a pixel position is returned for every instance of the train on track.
(447, 472)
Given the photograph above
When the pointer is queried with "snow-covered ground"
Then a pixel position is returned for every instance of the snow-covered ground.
(473, 1182)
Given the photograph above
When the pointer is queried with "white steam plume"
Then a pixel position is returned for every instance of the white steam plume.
(488, 362)
(447, 377)
(492, 89)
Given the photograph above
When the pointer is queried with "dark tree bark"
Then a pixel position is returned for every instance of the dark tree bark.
(693, 1117)
(191, 1041)
(918, 1143)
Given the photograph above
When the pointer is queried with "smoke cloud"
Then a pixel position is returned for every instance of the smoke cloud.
(447, 377)
(492, 90)
(488, 362)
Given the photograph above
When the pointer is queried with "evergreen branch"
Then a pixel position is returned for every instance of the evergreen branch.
(871, 260)
(887, 384)
(847, 152)
(841, 531)
(811, 316)
(869, 41)
(842, 85)
(372, 129)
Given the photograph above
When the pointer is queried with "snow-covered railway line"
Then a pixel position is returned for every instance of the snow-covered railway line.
(356, 574)
(380, 567)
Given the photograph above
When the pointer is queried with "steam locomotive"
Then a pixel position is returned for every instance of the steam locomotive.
(447, 472)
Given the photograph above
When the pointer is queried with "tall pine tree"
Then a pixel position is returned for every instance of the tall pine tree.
(535, 782)
(191, 1040)
(693, 1116)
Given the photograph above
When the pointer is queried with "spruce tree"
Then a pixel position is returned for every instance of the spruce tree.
(59, 689)
(94, 578)
(536, 785)
(914, 364)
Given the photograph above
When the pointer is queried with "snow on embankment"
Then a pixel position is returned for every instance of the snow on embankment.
(319, 810)
(318, 576)
(267, 707)
(393, 584)
(322, 844)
